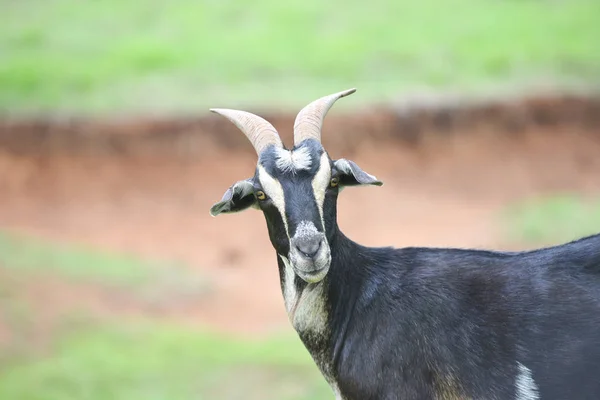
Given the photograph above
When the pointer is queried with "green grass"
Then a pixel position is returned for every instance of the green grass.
(80, 357)
(186, 55)
(31, 255)
(552, 220)
(153, 362)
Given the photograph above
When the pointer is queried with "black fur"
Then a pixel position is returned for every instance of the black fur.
(422, 323)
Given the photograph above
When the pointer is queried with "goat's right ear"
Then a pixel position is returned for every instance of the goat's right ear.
(237, 198)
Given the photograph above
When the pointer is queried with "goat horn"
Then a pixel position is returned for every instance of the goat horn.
(260, 132)
(309, 120)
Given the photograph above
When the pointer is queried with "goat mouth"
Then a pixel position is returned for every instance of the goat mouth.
(313, 276)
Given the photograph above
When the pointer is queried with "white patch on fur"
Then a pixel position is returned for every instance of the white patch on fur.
(290, 294)
(336, 391)
(273, 189)
(320, 183)
(307, 311)
(305, 228)
(310, 313)
(290, 161)
(526, 387)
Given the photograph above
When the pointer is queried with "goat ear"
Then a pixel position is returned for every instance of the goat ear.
(351, 174)
(237, 198)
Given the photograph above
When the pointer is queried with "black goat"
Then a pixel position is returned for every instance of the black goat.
(417, 323)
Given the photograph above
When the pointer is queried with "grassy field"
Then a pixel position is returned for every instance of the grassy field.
(151, 278)
(79, 355)
(27, 254)
(155, 361)
(121, 56)
(552, 220)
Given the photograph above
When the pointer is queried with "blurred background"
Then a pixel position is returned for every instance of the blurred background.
(482, 117)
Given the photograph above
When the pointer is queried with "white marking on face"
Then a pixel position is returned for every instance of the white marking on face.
(305, 229)
(526, 387)
(290, 161)
(320, 183)
(273, 189)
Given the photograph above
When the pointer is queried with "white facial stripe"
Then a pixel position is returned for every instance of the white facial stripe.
(290, 161)
(526, 387)
(320, 183)
(273, 189)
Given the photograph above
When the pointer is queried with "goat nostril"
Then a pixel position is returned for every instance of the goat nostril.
(309, 248)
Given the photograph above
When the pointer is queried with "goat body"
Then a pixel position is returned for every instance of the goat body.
(422, 323)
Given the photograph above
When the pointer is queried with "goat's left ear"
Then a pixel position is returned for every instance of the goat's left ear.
(351, 174)
(237, 198)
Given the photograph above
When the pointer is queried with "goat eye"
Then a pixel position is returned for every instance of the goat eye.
(334, 182)
(261, 195)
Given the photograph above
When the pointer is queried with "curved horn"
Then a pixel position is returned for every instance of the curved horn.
(260, 132)
(309, 120)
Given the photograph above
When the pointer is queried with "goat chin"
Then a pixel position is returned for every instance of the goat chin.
(313, 276)
(309, 270)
